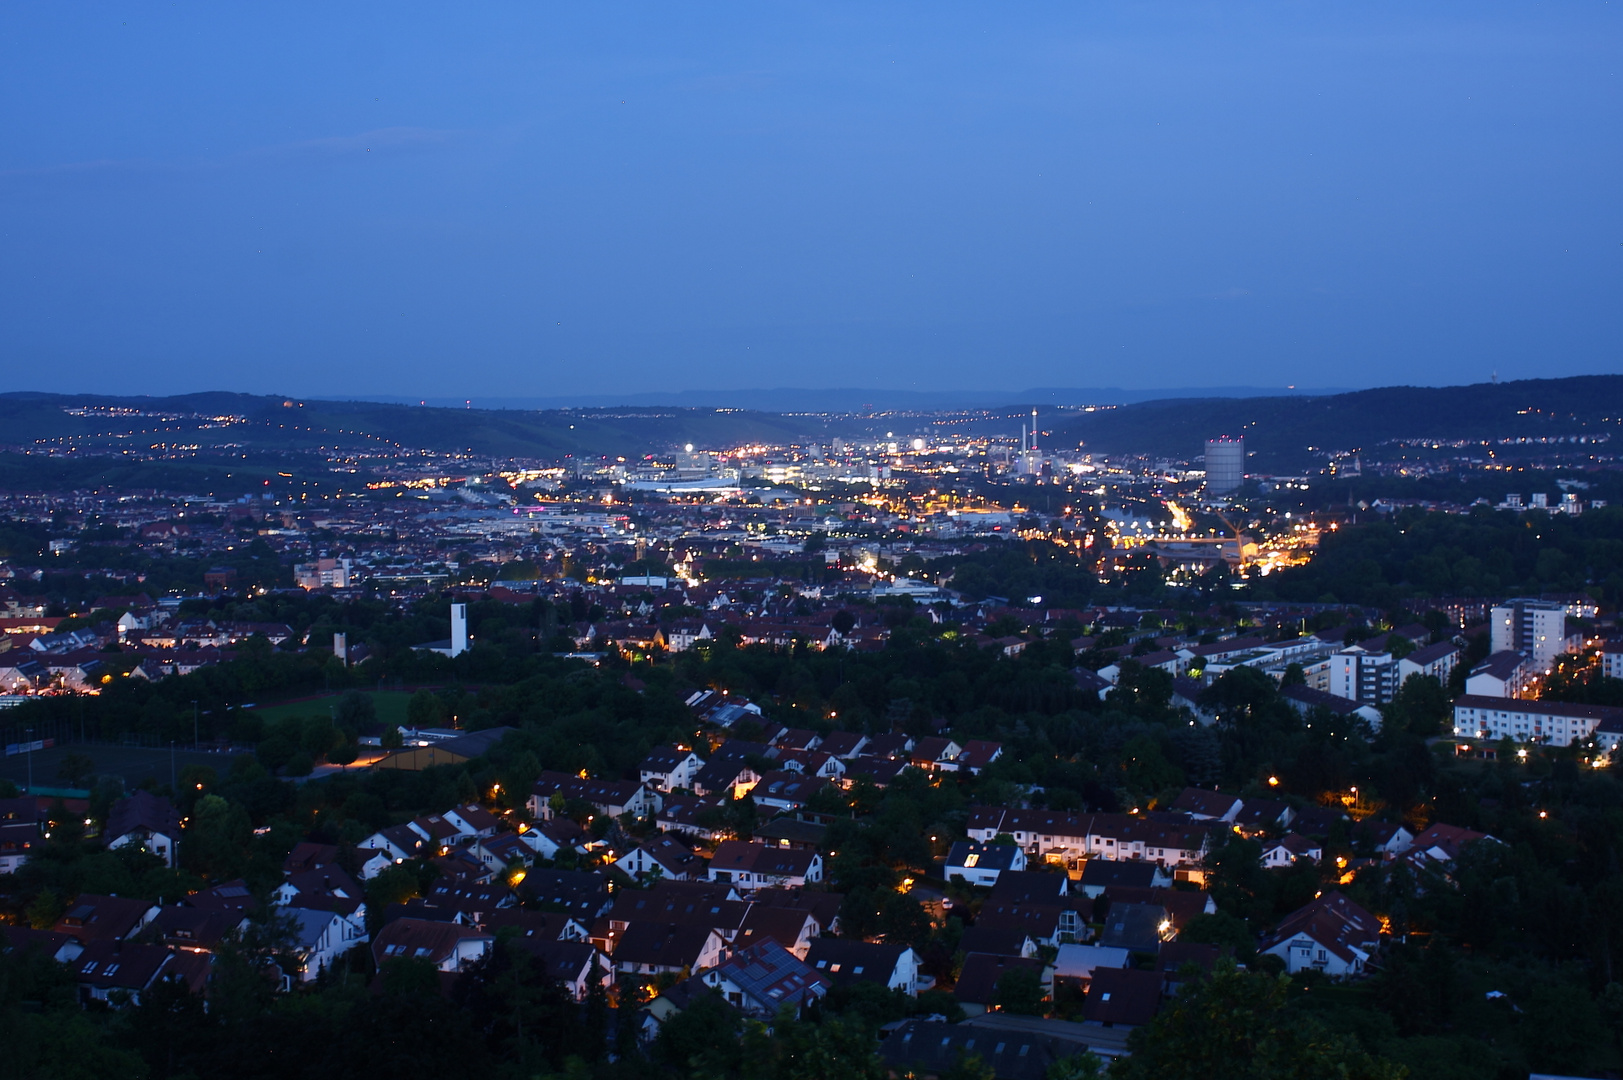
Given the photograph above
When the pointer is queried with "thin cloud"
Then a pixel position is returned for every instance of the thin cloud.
(392, 140)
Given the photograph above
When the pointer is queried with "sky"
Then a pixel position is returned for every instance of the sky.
(535, 199)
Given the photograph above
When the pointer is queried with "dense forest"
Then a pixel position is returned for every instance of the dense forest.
(1415, 554)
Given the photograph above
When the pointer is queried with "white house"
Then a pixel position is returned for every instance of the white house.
(844, 960)
(449, 947)
(1502, 675)
(664, 856)
(756, 866)
(145, 820)
(1290, 849)
(670, 767)
(1332, 934)
(980, 864)
(1437, 660)
(318, 938)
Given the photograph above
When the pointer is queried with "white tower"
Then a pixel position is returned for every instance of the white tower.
(459, 629)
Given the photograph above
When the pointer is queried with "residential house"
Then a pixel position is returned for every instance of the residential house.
(1070, 839)
(1502, 675)
(936, 753)
(934, 1048)
(1079, 962)
(19, 832)
(977, 754)
(1437, 661)
(980, 864)
(977, 986)
(547, 838)
(794, 929)
(577, 966)
(21, 941)
(473, 821)
(763, 979)
(318, 938)
(192, 929)
(1306, 700)
(667, 768)
(818, 763)
(440, 835)
(843, 960)
(1136, 927)
(448, 946)
(756, 866)
(92, 917)
(145, 820)
(1122, 997)
(844, 744)
(119, 972)
(646, 947)
(399, 842)
(665, 857)
(504, 850)
(1441, 844)
(581, 894)
(729, 771)
(822, 906)
(1290, 849)
(788, 831)
(1203, 805)
(1388, 838)
(1100, 874)
(1331, 934)
(681, 815)
(612, 797)
(782, 789)
(470, 903)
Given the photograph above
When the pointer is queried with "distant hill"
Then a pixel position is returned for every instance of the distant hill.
(304, 424)
(858, 400)
(1285, 431)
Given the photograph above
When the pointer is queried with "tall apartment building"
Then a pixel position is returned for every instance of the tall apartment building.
(1535, 628)
(1611, 659)
(1225, 465)
(1369, 678)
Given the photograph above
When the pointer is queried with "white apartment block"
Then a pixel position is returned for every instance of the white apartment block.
(1551, 723)
(1535, 628)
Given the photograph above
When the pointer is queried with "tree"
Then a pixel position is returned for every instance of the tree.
(392, 739)
(1084, 1066)
(1020, 991)
(844, 622)
(74, 768)
(356, 710)
(216, 841)
(425, 710)
(1238, 1025)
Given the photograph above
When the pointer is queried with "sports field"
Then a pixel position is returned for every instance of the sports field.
(133, 763)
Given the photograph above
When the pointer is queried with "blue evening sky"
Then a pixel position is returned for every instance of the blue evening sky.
(540, 198)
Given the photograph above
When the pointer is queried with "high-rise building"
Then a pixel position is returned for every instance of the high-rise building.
(459, 629)
(1535, 628)
(1365, 677)
(1225, 465)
